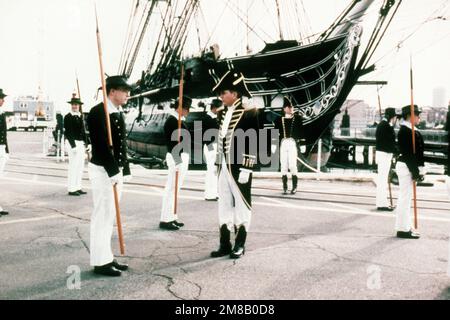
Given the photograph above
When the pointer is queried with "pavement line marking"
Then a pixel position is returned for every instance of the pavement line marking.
(276, 203)
(358, 212)
(31, 219)
(125, 190)
(342, 206)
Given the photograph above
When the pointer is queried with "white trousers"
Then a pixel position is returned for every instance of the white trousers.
(211, 172)
(168, 205)
(76, 166)
(103, 215)
(232, 208)
(3, 160)
(288, 156)
(384, 165)
(403, 221)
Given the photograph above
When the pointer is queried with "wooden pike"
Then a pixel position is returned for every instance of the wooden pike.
(108, 130)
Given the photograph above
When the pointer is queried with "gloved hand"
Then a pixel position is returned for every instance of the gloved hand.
(422, 171)
(115, 179)
(244, 176)
(127, 178)
(418, 177)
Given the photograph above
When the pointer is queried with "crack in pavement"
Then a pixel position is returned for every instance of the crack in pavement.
(77, 230)
(66, 214)
(171, 282)
(343, 257)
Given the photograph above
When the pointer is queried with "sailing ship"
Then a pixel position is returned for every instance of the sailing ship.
(316, 76)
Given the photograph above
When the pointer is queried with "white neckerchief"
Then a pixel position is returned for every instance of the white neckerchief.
(227, 120)
(175, 114)
(112, 108)
(77, 114)
(1, 111)
(407, 124)
(389, 123)
(211, 114)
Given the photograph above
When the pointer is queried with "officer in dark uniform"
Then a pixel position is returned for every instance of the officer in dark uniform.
(289, 126)
(75, 135)
(386, 148)
(409, 168)
(177, 161)
(236, 158)
(4, 151)
(107, 168)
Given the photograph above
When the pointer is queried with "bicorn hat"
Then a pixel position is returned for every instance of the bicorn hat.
(232, 80)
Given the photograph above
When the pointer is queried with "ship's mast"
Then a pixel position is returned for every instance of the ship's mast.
(279, 19)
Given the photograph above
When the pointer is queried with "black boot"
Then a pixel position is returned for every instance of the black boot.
(285, 186)
(225, 244)
(294, 184)
(239, 245)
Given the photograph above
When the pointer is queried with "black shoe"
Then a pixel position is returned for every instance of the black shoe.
(239, 245)
(408, 234)
(119, 266)
(385, 209)
(107, 270)
(225, 244)
(75, 193)
(237, 252)
(168, 226)
(294, 184)
(284, 179)
(178, 224)
(81, 192)
(4, 213)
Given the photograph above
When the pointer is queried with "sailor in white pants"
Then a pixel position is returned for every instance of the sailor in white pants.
(385, 146)
(76, 144)
(290, 127)
(177, 161)
(409, 166)
(108, 167)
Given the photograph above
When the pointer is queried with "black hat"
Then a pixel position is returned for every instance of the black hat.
(118, 82)
(75, 100)
(216, 103)
(390, 113)
(2, 94)
(187, 103)
(406, 111)
(232, 80)
(286, 102)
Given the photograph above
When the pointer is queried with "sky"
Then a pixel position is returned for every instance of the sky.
(46, 42)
